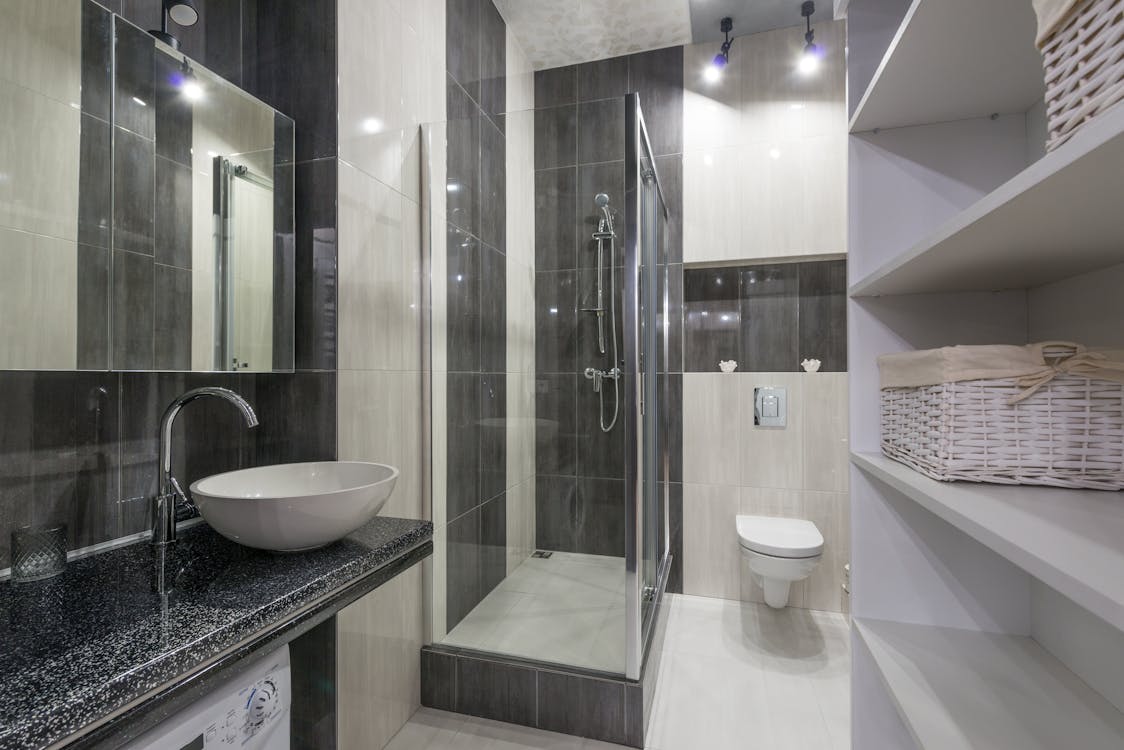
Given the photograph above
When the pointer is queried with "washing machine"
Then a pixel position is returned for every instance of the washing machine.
(249, 712)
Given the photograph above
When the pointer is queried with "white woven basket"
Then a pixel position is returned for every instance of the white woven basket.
(1084, 64)
(1070, 433)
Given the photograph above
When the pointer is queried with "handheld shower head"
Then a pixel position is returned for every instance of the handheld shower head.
(602, 201)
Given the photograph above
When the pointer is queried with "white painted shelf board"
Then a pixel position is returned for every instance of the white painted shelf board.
(955, 59)
(1072, 540)
(968, 690)
(1059, 217)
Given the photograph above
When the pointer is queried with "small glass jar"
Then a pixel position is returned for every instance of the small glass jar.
(38, 552)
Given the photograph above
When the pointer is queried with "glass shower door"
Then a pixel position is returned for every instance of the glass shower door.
(645, 305)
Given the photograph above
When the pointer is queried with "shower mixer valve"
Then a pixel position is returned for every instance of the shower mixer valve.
(598, 375)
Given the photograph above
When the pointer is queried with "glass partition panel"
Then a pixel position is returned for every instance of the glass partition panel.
(534, 284)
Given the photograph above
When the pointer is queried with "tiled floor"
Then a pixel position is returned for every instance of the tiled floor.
(568, 609)
(734, 676)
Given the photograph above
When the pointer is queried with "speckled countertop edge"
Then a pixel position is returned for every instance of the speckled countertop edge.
(64, 693)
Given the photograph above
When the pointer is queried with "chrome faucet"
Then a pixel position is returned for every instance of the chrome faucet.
(168, 489)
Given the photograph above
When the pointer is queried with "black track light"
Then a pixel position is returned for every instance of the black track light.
(722, 59)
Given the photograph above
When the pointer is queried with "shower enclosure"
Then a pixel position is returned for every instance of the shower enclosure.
(548, 424)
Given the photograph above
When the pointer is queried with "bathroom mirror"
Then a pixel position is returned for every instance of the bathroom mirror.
(146, 204)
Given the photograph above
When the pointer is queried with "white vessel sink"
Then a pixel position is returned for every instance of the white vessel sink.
(292, 507)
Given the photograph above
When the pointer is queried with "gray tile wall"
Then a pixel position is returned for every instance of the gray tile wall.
(579, 152)
(767, 317)
(476, 298)
(80, 447)
(572, 701)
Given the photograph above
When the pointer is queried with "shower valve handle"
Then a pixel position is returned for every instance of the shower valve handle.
(595, 376)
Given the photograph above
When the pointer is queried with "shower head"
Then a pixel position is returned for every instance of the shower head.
(602, 202)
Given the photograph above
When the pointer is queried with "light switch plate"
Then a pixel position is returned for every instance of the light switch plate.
(770, 406)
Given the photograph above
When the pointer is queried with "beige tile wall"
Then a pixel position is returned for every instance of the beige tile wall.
(381, 380)
(520, 158)
(765, 150)
(379, 640)
(731, 467)
(40, 124)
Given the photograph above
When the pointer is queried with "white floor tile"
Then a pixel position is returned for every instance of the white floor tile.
(734, 675)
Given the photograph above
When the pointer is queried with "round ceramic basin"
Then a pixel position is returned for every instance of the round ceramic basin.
(293, 507)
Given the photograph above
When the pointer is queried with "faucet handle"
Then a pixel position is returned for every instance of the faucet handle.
(177, 490)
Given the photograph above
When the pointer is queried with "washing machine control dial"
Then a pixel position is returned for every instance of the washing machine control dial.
(261, 705)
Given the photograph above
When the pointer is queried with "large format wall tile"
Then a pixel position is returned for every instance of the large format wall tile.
(378, 668)
(37, 303)
(658, 77)
(579, 121)
(40, 140)
(380, 421)
(294, 70)
(733, 467)
(781, 140)
(375, 289)
(711, 555)
(41, 48)
(768, 317)
(713, 426)
(713, 205)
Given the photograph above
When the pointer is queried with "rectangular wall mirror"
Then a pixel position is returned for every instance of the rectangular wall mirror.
(146, 204)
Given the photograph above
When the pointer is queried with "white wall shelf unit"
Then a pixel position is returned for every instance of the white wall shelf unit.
(963, 230)
(966, 690)
(954, 60)
(1072, 540)
(1059, 217)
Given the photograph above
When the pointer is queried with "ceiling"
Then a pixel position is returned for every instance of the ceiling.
(750, 16)
(565, 32)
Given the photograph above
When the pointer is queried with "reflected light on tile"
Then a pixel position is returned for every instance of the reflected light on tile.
(774, 153)
(371, 125)
(140, 101)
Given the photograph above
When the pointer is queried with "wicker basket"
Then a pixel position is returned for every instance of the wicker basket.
(1084, 62)
(1068, 433)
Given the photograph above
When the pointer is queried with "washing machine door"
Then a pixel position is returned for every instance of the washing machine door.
(248, 712)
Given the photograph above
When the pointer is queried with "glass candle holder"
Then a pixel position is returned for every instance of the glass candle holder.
(38, 552)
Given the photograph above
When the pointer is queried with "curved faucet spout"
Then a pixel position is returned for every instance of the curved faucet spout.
(168, 489)
(167, 482)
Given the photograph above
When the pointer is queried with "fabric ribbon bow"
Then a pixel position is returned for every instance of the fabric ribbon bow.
(1092, 365)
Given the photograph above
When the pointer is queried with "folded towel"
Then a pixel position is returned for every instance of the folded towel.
(1052, 15)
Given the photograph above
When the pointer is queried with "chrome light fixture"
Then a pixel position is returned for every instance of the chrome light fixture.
(713, 72)
(183, 12)
(810, 59)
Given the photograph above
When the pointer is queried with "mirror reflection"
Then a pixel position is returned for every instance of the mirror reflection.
(146, 213)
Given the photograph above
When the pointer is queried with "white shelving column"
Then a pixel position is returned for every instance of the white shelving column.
(963, 585)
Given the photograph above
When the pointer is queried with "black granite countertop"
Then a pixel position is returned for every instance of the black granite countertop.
(78, 647)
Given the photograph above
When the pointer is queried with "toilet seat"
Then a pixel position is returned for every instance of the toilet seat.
(780, 537)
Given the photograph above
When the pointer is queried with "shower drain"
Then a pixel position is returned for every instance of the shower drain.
(542, 553)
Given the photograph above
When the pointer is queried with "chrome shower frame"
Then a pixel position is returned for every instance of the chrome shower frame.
(641, 402)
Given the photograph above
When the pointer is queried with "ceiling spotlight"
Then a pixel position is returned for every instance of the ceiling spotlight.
(183, 12)
(713, 72)
(810, 59)
(189, 85)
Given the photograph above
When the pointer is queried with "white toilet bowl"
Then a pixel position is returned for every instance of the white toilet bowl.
(779, 551)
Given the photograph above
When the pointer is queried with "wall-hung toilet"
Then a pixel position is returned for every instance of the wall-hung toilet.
(779, 551)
